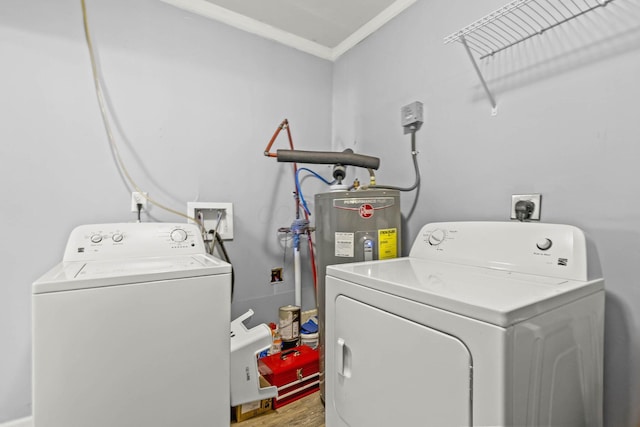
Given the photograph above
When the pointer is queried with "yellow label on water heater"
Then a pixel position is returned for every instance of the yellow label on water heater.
(388, 243)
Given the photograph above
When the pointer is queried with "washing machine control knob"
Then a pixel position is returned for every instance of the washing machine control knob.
(96, 238)
(117, 237)
(544, 244)
(178, 235)
(436, 237)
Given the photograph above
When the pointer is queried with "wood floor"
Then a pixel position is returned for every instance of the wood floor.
(306, 412)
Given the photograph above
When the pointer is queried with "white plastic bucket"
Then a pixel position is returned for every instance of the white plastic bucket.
(310, 340)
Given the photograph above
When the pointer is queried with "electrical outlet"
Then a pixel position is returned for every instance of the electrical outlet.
(136, 198)
(207, 213)
(534, 198)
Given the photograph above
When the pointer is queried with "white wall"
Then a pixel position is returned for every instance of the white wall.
(195, 103)
(567, 127)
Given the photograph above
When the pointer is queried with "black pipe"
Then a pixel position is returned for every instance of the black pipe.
(225, 256)
(347, 158)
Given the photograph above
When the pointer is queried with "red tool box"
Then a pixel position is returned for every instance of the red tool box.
(294, 372)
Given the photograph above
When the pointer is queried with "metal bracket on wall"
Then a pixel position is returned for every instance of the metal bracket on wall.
(492, 100)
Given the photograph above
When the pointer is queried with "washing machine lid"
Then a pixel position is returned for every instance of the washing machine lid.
(491, 295)
(76, 275)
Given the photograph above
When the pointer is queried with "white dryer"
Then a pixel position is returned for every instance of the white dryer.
(484, 324)
(132, 329)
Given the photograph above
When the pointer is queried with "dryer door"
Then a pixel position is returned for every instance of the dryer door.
(393, 371)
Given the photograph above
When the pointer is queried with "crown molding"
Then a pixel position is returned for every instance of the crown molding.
(253, 26)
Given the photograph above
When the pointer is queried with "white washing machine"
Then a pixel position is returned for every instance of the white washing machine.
(131, 329)
(484, 324)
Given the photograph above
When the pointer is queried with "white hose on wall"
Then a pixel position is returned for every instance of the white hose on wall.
(297, 277)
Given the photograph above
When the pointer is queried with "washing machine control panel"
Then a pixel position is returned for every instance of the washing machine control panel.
(544, 244)
(124, 240)
(536, 248)
(178, 235)
(436, 237)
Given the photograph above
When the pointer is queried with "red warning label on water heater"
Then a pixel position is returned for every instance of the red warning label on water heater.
(365, 206)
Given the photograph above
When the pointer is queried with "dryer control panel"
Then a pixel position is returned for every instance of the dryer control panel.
(553, 250)
(130, 240)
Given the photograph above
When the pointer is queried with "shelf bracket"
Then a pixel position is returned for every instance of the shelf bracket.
(492, 100)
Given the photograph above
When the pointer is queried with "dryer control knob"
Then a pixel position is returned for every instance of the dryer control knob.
(178, 235)
(544, 244)
(436, 237)
(117, 237)
(96, 238)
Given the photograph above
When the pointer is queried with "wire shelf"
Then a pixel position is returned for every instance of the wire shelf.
(519, 21)
(514, 23)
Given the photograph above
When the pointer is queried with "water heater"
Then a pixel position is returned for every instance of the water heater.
(353, 226)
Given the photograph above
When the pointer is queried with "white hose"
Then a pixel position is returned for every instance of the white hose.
(297, 277)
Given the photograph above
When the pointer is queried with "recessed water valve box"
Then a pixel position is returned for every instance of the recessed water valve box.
(213, 216)
(412, 115)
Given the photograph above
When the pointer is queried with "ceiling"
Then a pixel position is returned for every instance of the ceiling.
(325, 28)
